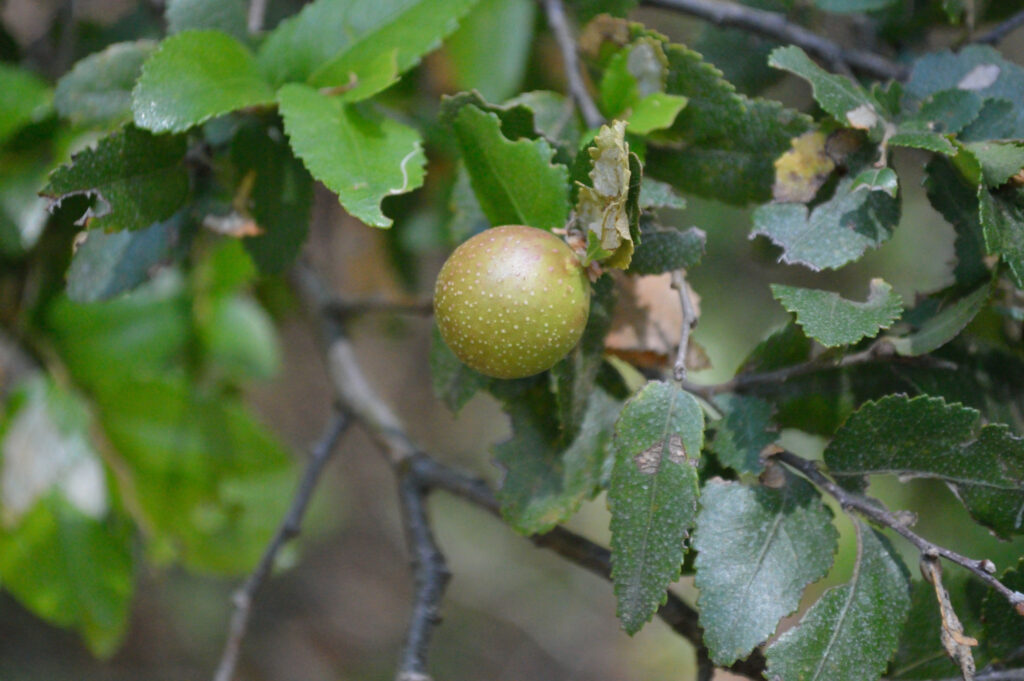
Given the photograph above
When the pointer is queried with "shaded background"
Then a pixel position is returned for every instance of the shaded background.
(511, 611)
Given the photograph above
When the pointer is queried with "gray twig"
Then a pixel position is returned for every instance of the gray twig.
(874, 510)
(257, 11)
(777, 27)
(288, 530)
(567, 44)
(688, 324)
(1000, 31)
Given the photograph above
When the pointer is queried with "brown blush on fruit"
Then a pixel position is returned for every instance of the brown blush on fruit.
(512, 301)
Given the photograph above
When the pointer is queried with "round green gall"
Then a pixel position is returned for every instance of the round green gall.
(512, 301)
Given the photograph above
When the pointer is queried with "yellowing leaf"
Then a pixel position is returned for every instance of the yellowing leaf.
(800, 172)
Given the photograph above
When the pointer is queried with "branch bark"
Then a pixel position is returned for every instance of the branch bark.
(570, 58)
(775, 26)
(876, 512)
(1000, 31)
(288, 530)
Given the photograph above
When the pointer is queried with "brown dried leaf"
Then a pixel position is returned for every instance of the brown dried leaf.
(957, 644)
(649, 461)
(800, 172)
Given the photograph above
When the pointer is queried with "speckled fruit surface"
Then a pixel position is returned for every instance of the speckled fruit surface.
(512, 301)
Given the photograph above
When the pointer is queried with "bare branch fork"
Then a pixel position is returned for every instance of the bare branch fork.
(874, 510)
(777, 27)
(288, 530)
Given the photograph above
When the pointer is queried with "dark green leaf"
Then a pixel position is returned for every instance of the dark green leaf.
(957, 200)
(26, 99)
(543, 484)
(947, 111)
(999, 161)
(106, 264)
(852, 631)
(944, 324)
(280, 196)
(877, 180)
(726, 144)
(743, 432)
(835, 232)
(1002, 221)
(516, 115)
(975, 68)
(362, 158)
(329, 39)
(98, 90)
(194, 76)
(23, 213)
(490, 49)
(926, 437)
(228, 16)
(554, 116)
(1004, 623)
(846, 101)
(238, 337)
(653, 496)
(834, 321)
(753, 542)
(137, 178)
(454, 383)
(515, 181)
(655, 194)
(668, 250)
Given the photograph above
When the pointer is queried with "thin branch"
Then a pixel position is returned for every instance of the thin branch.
(880, 350)
(288, 530)
(431, 576)
(257, 11)
(567, 44)
(995, 675)
(688, 323)
(578, 550)
(1000, 31)
(873, 510)
(776, 27)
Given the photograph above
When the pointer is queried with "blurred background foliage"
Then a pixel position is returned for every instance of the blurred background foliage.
(512, 612)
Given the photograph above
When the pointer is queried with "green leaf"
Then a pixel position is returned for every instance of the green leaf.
(1004, 625)
(105, 265)
(832, 320)
(836, 232)
(944, 324)
(852, 631)
(280, 196)
(656, 111)
(191, 457)
(1002, 222)
(846, 101)
(725, 144)
(137, 178)
(926, 437)
(23, 213)
(543, 484)
(655, 194)
(98, 90)
(975, 68)
(239, 337)
(362, 158)
(27, 99)
(194, 76)
(228, 16)
(947, 111)
(743, 432)
(453, 382)
(490, 49)
(957, 201)
(999, 160)
(653, 496)
(877, 180)
(554, 116)
(515, 181)
(751, 542)
(516, 115)
(72, 570)
(850, 6)
(329, 39)
(667, 250)
(61, 553)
